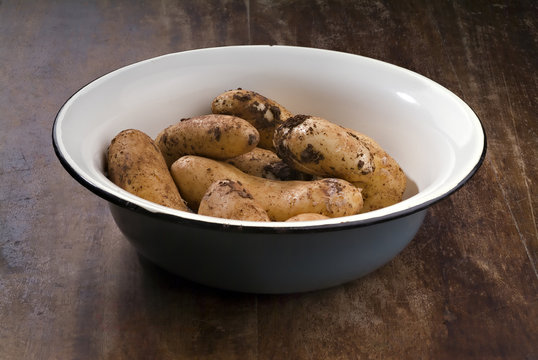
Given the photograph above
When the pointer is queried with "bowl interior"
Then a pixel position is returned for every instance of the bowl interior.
(434, 135)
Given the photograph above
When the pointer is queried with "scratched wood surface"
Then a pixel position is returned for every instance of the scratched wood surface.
(71, 287)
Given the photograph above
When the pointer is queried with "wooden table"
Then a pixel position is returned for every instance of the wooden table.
(71, 286)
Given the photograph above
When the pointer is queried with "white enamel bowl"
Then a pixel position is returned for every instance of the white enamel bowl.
(435, 136)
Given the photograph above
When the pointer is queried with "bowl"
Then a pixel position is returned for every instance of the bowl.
(436, 138)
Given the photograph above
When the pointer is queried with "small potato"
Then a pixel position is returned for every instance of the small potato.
(265, 114)
(281, 199)
(319, 147)
(266, 164)
(135, 164)
(307, 217)
(230, 200)
(386, 184)
(215, 136)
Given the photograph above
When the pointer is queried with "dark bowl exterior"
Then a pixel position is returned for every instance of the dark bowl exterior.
(258, 262)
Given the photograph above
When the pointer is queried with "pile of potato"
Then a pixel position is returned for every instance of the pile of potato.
(251, 159)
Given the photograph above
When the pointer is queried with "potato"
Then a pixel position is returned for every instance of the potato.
(266, 164)
(307, 217)
(214, 136)
(281, 199)
(386, 184)
(316, 146)
(135, 164)
(265, 114)
(230, 200)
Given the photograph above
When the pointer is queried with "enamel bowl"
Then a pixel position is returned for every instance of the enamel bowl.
(436, 138)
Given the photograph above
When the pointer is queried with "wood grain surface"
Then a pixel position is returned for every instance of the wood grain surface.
(71, 286)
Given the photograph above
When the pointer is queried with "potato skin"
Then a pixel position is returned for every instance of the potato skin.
(266, 164)
(230, 200)
(135, 164)
(319, 147)
(307, 217)
(214, 136)
(281, 199)
(386, 184)
(263, 113)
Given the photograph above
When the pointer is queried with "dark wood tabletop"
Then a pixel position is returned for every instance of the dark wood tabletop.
(72, 287)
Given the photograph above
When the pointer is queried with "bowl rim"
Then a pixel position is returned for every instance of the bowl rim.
(252, 226)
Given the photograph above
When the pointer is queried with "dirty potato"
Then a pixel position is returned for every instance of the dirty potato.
(135, 164)
(214, 136)
(386, 184)
(319, 147)
(265, 114)
(307, 217)
(281, 199)
(230, 200)
(266, 164)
